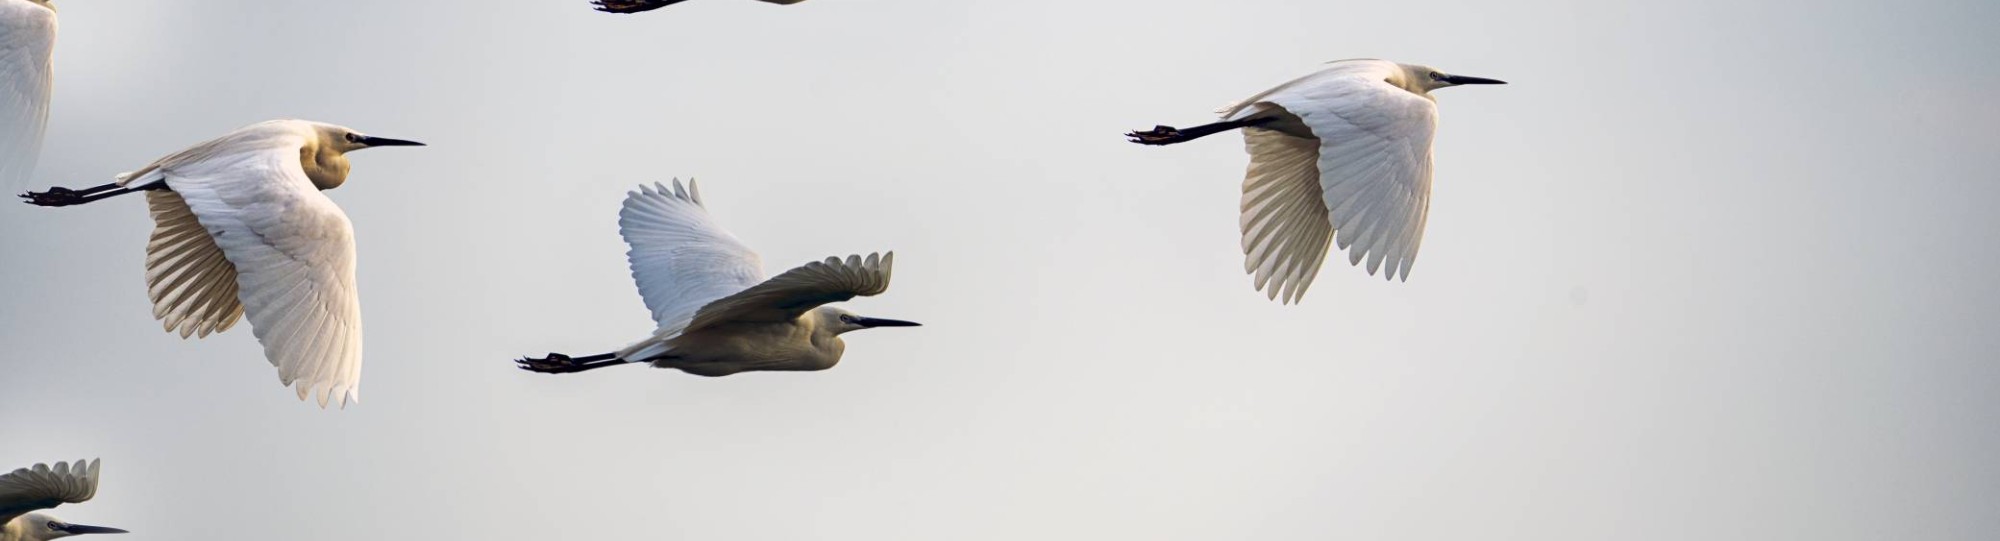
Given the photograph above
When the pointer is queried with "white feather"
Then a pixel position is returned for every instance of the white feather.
(27, 39)
(681, 259)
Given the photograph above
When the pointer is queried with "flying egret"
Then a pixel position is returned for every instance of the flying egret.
(635, 6)
(27, 37)
(1343, 154)
(42, 487)
(241, 228)
(717, 314)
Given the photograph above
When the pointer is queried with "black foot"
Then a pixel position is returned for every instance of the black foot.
(55, 197)
(632, 6)
(1159, 135)
(555, 363)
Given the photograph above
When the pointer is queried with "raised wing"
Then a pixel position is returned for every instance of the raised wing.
(1370, 174)
(681, 258)
(42, 487)
(27, 37)
(789, 295)
(293, 253)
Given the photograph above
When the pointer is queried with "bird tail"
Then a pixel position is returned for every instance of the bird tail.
(658, 345)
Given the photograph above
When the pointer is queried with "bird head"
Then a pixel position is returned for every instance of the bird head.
(842, 321)
(42, 527)
(343, 140)
(324, 156)
(1423, 79)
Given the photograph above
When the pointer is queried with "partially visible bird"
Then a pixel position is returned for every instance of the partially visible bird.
(635, 6)
(1340, 155)
(241, 228)
(27, 39)
(717, 315)
(28, 490)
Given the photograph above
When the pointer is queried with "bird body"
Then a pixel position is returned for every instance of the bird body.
(28, 490)
(806, 343)
(27, 44)
(1339, 157)
(716, 313)
(242, 229)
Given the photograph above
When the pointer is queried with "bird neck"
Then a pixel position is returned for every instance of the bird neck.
(13, 530)
(326, 167)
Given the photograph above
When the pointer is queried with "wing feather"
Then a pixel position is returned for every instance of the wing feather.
(681, 258)
(1282, 216)
(787, 296)
(27, 41)
(190, 280)
(43, 486)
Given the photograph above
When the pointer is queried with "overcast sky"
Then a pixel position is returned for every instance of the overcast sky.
(1706, 270)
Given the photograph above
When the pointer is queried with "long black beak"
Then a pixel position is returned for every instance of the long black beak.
(372, 141)
(80, 529)
(1470, 80)
(878, 322)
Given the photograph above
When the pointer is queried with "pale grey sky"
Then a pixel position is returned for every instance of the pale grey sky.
(1705, 270)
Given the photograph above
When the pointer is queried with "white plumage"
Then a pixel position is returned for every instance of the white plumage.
(27, 41)
(681, 258)
(243, 229)
(1341, 157)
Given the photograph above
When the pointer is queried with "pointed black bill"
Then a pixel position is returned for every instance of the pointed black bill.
(372, 141)
(1470, 80)
(878, 322)
(80, 529)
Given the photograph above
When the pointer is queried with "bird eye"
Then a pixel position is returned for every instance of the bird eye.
(1435, 76)
(844, 318)
(353, 137)
(53, 525)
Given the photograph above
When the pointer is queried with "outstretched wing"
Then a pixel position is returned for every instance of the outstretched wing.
(293, 253)
(1366, 167)
(789, 295)
(27, 38)
(681, 258)
(43, 487)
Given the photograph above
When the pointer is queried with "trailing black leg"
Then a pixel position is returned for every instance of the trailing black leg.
(557, 363)
(1167, 135)
(63, 197)
(632, 6)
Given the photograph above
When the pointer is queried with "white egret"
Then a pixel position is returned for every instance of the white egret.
(635, 6)
(717, 314)
(28, 490)
(241, 228)
(27, 38)
(1340, 155)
